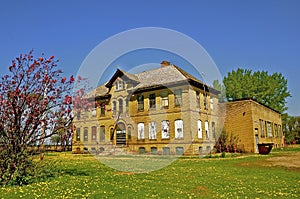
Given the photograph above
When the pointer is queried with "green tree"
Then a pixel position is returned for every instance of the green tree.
(220, 87)
(291, 128)
(268, 89)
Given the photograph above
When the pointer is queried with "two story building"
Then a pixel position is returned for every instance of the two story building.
(159, 111)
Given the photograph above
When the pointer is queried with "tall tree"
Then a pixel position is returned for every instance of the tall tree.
(220, 87)
(268, 89)
(35, 103)
(291, 128)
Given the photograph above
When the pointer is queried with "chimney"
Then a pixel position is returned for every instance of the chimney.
(164, 63)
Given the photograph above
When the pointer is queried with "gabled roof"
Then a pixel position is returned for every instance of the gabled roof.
(165, 76)
(168, 75)
(121, 73)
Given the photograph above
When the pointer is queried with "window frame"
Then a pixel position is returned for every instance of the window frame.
(152, 131)
(78, 134)
(102, 133)
(152, 101)
(179, 125)
(199, 129)
(165, 132)
(86, 134)
(178, 97)
(94, 133)
(206, 127)
(140, 102)
(164, 96)
(141, 130)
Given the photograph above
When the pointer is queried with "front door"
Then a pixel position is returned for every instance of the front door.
(256, 139)
(121, 134)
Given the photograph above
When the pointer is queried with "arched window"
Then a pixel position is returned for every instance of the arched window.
(206, 129)
(120, 105)
(94, 132)
(199, 129)
(152, 130)
(165, 128)
(178, 129)
(114, 106)
(141, 131)
(102, 133)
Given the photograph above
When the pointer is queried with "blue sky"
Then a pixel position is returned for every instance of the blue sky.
(257, 35)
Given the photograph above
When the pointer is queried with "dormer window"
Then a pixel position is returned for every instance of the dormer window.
(120, 85)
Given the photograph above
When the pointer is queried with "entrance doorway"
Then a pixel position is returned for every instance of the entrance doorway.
(256, 139)
(121, 134)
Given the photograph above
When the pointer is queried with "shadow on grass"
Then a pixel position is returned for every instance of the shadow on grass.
(75, 172)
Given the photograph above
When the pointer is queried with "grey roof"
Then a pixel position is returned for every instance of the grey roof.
(163, 76)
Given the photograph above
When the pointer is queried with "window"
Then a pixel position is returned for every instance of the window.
(279, 131)
(120, 85)
(208, 149)
(165, 132)
(165, 99)
(153, 150)
(213, 128)
(111, 134)
(94, 132)
(141, 131)
(178, 129)
(166, 150)
(114, 107)
(152, 103)
(212, 103)
(178, 97)
(78, 134)
(152, 130)
(94, 112)
(262, 129)
(198, 99)
(205, 101)
(85, 132)
(120, 105)
(142, 150)
(102, 110)
(200, 150)
(269, 129)
(276, 130)
(179, 150)
(206, 130)
(140, 99)
(127, 104)
(102, 133)
(129, 133)
(199, 129)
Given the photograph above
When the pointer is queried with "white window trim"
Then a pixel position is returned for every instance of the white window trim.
(178, 126)
(200, 134)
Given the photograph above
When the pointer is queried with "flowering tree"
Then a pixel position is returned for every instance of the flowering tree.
(35, 103)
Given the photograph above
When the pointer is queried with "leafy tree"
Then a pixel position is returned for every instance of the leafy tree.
(291, 128)
(35, 103)
(270, 90)
(220, 87)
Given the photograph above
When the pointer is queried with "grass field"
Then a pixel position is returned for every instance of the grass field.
(250, 176)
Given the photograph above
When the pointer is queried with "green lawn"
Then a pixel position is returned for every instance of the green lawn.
(250, 176)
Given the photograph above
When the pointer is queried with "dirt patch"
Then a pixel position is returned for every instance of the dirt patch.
(291, 160)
